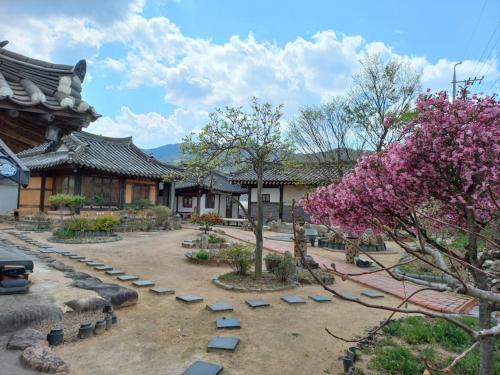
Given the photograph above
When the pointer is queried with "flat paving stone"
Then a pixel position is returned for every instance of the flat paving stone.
(224, 343)
(64, 252)
(203, 368)
(115, 272)
(159, 290)
(47, 251)
(94, 264)
(189, 298)
(372, 294)
(256, 303)
(45, 246)
(84, 260)
(103, 268)
(228, 323)
(293, 300)
(128, 277)
(349, 296)
(68, 254)
(320, 298)
(219, 307)
(143, 283)
(77, 257)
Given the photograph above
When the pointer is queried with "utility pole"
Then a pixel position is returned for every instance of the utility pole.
(467, 82)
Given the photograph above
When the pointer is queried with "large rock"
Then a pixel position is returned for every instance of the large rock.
(88, 283)
(60, 266)
(27, 315)
(118, 295)
(44, 360)
(24, 338)
(78, 275)
(87, 304)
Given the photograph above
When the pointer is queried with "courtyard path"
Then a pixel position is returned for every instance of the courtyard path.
(439, 301)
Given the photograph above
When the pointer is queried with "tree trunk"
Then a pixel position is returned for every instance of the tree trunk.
(260, 223)
(485, 343)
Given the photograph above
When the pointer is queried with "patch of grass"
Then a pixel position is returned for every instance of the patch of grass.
(461, 240)
(396, 360)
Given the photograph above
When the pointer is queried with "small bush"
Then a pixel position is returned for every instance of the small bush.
(239, 257)
(77, 224)
(142, 203)
(202, 255)
(206, 220)
(67, 200)
(106, 223)
(286, 269)
(272, 261)
(215, 239)
(163, 214)
(305, 277)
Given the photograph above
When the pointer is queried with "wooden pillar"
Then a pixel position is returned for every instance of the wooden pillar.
(198, 202)
(218, 210)
(280, 214)
(121, 198)
(78, 186)
(249, 208)
(42, 192)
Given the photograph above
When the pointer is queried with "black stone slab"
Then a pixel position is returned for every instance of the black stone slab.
(115, 272)
(94, 264)
(293, 300)
(189, 298)
(224, 343)
(47, 251)
(203, 368)
(143, 283)
(128, 277)
(85, 260)
(219, 307)
(256, 303)
(228, 323)
(76, 257)
(68, 254)
(159, 290)
(349, 296)
(103, 268)
(372, 294)
(320, 298)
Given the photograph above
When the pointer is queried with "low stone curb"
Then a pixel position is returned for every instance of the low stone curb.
(85, 241)
(234, 288)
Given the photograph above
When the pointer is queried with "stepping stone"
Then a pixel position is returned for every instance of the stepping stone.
(115, 272)
(228, 323)
(94, 264)
(77, 257)
(47, 251)
(349, 296)
(372, 294)
(219, 307)
(320, 298)
(103, 268)
(128, 278)
(65, 252)
(143, 283)
(162, 290)
(203, 368)
(69, 254)
(85, 260)
(224, 343)
(256, 303)
(293, 300)
(189, 298)
(45, 246)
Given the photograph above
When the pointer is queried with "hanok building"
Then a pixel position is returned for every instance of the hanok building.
(282, 185)
(13, 173)
(109, 172)
(214, 195)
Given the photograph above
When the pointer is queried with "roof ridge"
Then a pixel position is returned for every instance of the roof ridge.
(124, 140)
(29, 61)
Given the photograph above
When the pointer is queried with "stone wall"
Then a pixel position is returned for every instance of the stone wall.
(271, 212)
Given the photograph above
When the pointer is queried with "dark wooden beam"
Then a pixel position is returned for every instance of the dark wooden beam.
(281, 203)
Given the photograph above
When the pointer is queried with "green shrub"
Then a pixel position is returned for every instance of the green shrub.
(206, 220)
(163, 214)
(215, 239)
(106, 223)
(67, 200)
(239, 257)
(202, 255)
(305, 277)
(77, 224)
(272, 261)
(286, 269)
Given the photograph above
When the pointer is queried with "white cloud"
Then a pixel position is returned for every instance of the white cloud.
(149, 129)
(196, 74)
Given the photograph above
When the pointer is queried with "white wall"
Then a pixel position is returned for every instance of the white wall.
(273, 192)
(8, 196)
(181, 208)
(204, 210)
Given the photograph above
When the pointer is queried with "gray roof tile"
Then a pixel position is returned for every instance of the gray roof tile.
(307, 174)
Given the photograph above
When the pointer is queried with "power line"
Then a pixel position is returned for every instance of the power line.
(475, 29)
(486, 47)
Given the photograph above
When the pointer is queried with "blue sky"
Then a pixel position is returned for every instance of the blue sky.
(157, 68)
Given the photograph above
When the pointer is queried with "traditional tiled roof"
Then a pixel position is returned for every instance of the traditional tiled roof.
(109, 155)
(307, 174)
(8, 160)
(29, 82)
(217, 182)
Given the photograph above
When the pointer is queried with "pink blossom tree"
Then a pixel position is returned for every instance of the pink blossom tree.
(449, 159)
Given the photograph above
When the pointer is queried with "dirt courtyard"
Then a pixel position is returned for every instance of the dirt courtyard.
(163, 336)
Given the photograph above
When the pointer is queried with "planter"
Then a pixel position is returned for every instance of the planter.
(55, 337)
(348, 362)
(100, 327)
(85, 331)
(108, 319)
